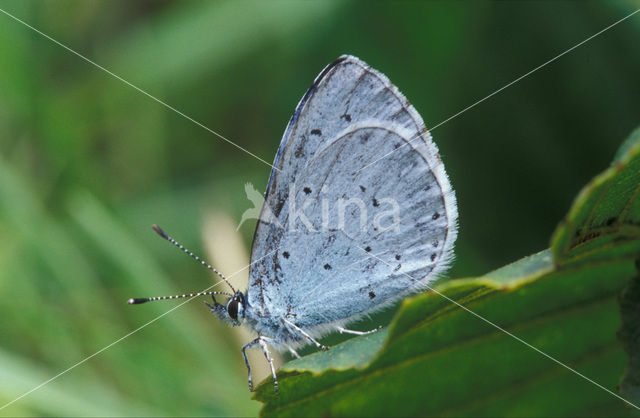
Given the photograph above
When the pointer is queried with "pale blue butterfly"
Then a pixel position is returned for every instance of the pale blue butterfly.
(358, 213)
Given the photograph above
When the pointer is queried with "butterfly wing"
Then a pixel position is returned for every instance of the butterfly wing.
(354, 231)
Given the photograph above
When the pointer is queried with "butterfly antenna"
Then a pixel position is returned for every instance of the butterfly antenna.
(137, 301)
(164, 235)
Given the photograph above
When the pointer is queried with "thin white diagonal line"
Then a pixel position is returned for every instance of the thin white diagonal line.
(507, 85)
(98, 352)
(128, 335)
(513, 336)
(137, 88)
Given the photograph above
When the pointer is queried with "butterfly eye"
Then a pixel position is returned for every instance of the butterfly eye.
(232, 309)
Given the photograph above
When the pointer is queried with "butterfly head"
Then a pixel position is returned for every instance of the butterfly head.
(233, 312)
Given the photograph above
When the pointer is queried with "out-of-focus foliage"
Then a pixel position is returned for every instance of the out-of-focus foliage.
(87, 163)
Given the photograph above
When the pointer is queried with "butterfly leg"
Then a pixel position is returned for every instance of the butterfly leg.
(246, 359)
(294, 352)
(265, 350)
(350, 331)
(307, 336)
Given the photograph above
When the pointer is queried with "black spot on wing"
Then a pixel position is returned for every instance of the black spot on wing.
(299, 153)
(306, 190)
(364, 189)
(316, 132)
(372, 295)
(277, 272)
(285, 254)
(327, 266)
(278, 206)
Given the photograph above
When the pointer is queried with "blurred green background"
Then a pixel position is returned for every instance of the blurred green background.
(87, 163)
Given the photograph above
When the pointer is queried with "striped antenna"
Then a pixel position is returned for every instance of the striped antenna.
(160, 232)
(137, 301)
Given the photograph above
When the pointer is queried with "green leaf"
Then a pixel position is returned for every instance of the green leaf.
(628, 335)
(469, 346)
(604, 220)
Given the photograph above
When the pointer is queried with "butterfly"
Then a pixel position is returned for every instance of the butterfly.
(358, 213)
